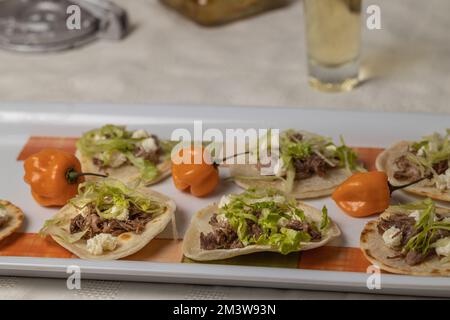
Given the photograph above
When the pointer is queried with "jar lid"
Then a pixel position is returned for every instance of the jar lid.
(41, 25)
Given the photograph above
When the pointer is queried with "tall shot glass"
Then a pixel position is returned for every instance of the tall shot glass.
(333, 40)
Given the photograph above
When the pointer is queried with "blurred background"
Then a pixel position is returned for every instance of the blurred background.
(167, 58)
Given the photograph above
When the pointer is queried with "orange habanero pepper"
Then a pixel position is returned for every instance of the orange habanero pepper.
(201, 178)
(54, 176)
(364, 194)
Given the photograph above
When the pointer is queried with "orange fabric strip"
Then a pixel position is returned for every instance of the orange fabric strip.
(33, 245)
(36, 144)
(334, 259)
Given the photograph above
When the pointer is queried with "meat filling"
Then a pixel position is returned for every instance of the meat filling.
(94, 224)
(408, 171)
(305, 227)
(224, 237)
(307, 167)
(152, 156)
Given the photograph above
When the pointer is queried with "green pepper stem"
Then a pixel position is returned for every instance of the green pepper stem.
(72, 175)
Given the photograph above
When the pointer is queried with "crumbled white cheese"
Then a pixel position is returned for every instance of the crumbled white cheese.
(140, 134)
(443, 247)
(221, 218)
(224, 201)
(330, 150)
(331, 147)
(421, 151)
(101, 243)
(149, 145)
(117, 159)
(443, 181)
(415, 214)
(279, 168)
(119, 213)
(392, 237)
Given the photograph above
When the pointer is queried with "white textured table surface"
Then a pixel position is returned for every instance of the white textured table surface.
(256, 62)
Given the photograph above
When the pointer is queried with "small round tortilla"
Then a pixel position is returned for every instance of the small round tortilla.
(314, 187)
(375, 250)
(15, 219)
(386, 162)
(310, 188)
(200, 223)
(129, 242)
(126, 173)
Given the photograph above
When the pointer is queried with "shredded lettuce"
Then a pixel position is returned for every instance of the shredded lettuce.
(325, 223)
(429, 151)
(270, 209)
(148, 170)
(348, 158)
(2, 207)
(113, 199)
(110, 198)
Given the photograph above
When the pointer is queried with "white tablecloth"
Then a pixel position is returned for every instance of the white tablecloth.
(256, 62)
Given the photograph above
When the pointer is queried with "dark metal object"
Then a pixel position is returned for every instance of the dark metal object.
(41, 25)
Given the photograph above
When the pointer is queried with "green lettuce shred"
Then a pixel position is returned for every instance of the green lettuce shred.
(291, 149)
(429, 151)
(427, 227)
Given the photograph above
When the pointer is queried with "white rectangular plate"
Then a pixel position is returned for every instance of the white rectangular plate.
(363, 129)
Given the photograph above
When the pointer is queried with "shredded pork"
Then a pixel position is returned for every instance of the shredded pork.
(224, 237)
(93, 224)
(406, 225)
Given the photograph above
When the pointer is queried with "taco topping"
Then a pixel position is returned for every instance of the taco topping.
(304, 155)
(92, 224)
(113, 146)
(429, 158)
(4, 217)
(108, 208)
(416, 232)
(261, 217)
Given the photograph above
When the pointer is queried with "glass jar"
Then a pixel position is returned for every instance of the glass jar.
(215, 12)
